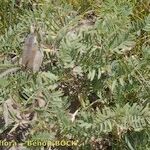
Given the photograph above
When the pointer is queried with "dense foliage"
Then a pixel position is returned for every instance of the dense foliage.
(98, 72)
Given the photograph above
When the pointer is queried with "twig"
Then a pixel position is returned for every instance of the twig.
(12, 70)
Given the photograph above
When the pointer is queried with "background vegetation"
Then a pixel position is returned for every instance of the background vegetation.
(102, 71)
